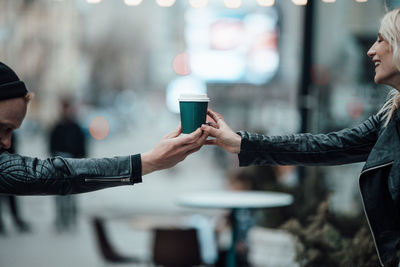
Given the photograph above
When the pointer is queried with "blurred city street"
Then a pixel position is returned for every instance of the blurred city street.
(115, 72)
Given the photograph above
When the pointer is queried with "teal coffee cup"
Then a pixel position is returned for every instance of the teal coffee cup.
(193, 108)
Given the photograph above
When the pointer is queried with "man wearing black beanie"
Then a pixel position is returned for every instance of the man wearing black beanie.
(20, 175)
(10, 85)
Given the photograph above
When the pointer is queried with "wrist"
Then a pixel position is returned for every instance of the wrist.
(147, 163)
(237, 141)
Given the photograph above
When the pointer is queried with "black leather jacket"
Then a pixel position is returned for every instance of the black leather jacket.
(59, 176)
(380, 177)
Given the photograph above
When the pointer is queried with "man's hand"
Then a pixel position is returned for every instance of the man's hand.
(172, 149)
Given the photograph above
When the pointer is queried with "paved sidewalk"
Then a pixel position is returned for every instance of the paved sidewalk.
(44, 246)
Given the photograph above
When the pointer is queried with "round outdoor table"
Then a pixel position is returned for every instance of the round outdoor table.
(234, 200)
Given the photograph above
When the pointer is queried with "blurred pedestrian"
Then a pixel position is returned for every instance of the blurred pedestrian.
(67, 139)
(21, 175)
(375, 141)
(13, 206)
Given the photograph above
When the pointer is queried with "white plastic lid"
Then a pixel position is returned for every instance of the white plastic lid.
(194, 97)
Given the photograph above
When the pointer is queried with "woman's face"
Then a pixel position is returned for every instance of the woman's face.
(386, 72)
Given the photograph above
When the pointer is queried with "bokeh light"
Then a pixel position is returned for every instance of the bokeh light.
(133, 2)
(165, 3)
(181, 64)
(329, 1)
(355, 107)
(93, 1)
(226, 34)
(266, 2)
(99, 128)
(361, 1)
(300, 2)
(263, 63)
(233, 3)
(198, 3)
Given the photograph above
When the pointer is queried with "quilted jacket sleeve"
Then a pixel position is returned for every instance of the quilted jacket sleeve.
(21, 175)
(342, 147)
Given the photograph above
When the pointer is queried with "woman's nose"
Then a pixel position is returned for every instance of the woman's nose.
(371, 52)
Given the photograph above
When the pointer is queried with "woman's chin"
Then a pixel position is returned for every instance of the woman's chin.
(378, 80)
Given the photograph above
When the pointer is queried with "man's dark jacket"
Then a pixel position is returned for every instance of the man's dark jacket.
(379, 181)
(21, 175)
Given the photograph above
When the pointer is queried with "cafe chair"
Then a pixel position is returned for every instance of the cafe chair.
(107, 251)
(174, 247)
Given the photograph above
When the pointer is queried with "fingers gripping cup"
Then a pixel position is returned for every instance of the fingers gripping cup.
(193, 108)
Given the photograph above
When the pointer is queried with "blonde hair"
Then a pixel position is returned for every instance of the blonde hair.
(390, 31)
(28, 97)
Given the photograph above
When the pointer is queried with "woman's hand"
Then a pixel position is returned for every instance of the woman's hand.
(224, 136)
(172, 149)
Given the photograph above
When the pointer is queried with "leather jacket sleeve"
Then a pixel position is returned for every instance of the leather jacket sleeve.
(58, 176)
(342, 147)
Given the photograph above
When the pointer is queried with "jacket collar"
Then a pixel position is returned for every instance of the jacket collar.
(387, 147)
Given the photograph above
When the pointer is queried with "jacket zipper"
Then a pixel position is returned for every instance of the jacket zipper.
(107, 180)
(366, 215)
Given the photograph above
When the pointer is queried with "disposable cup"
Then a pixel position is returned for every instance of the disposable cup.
(193, 109)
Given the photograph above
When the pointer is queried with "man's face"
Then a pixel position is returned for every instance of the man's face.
(12, 113)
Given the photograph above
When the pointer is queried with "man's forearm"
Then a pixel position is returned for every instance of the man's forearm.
(58, 176)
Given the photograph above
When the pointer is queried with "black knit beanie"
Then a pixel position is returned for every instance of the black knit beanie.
(10, 85)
